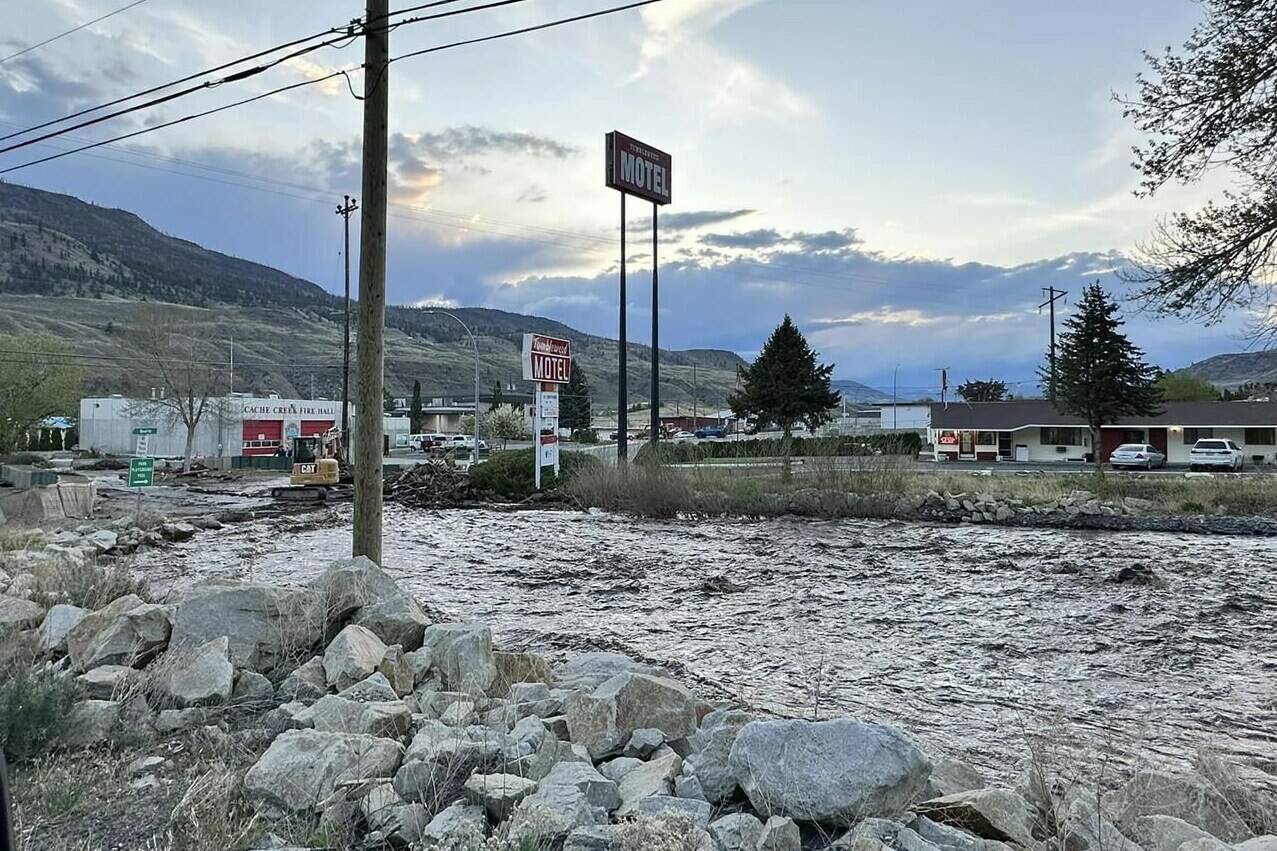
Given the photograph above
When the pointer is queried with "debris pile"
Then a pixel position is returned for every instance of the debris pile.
(430, 485)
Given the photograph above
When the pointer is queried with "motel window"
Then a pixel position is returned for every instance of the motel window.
(986, 438)
(1061, 437)
(1260, 437)
(1192, 435)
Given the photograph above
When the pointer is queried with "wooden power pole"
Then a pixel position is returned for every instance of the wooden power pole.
(369, 361)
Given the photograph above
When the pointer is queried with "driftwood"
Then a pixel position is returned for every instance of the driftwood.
(429, 485)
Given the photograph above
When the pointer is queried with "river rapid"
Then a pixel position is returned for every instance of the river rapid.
(966, 636)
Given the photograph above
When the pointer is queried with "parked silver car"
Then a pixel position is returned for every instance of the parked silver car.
(1216, 453)
(1137, 455)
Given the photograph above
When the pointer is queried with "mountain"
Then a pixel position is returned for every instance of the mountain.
(854, 391)
(1231, 371)
(80, 271)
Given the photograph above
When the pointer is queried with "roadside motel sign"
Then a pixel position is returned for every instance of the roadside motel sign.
(547, 359)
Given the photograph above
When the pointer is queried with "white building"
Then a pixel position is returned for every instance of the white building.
(231, 425)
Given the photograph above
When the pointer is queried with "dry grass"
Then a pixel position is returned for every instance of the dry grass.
(755, 489)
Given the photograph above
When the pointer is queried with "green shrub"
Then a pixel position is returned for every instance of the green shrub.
(670, 453)
(510, 474)
(585, 435)
(34, 708)
(893, 443)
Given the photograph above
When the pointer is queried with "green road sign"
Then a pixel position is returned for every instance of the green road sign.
(141, 472)
(146, 430)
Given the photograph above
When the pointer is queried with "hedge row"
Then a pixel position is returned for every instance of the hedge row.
(906, 443)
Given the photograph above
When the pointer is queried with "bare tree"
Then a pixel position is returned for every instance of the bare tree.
(181, 366)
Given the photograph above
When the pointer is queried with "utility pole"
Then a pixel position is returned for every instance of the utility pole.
(695, 418)
(1052, 296)
(372, 284)
(344, 209)
(944, 386)
(894, 403)
(231, 377)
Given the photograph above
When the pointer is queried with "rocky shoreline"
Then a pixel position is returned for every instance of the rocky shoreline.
(366, 725)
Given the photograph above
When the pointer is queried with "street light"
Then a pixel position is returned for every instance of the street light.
(474, 450)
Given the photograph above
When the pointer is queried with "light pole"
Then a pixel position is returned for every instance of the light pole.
(474, 450)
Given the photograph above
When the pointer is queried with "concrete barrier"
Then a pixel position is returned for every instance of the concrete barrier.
(25, 476)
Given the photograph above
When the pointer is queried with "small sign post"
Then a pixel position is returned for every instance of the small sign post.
(141, 475)
(143, 435)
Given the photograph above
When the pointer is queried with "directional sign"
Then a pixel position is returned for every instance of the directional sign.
(141, 472)
(548, 451)
(146, 430)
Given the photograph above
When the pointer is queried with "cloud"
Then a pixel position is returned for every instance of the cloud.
(694, 219)
(830, 240)
(437, 300)
(911, 317)
(534, 194)
(761, 238)
(454, 144)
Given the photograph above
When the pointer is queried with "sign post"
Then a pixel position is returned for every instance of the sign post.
(547, 361)
(143, 435)
(141, 475)
(634, 168)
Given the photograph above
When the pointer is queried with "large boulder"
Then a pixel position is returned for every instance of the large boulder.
(334, 714)
(1084, 828)
(126, 630)
(1187, 796)
(57, 625)
(653, 778)
(302, 768)
(458, 826)
(17, 613)
(780, 834)
(599, 791)
(710, 746)
(1165, 833)
(951, 776)
(357, 591)
(498, 794)
(306, 683)
(267, 625)
(401, 823)
(91, 722)
(832, 772)
(736, 832)
(353, 655)
(605, 720)
(588, 671)
(200, 676)
(993, 813)
(462, 653)
(547, 816)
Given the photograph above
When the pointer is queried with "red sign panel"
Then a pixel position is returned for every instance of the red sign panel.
(948, 440)
(547, 359)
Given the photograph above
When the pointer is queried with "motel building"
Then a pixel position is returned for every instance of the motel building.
(235, 425)
(1033, 431)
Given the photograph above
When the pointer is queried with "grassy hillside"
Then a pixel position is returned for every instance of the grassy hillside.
(83, 272)
(1231, 371)
(282, 349)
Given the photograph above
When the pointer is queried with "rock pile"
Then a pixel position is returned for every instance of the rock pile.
(400, 733)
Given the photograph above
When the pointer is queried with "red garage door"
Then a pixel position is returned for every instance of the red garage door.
(262, 437)
(314, 427)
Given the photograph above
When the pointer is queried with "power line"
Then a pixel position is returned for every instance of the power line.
(523, 30)
(208, 84)
(181, 120)
(75, 29)
(177, 82)
(343, 73)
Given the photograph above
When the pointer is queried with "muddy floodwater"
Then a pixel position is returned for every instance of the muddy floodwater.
(966, 636)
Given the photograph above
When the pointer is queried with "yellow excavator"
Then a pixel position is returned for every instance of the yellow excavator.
(317, 474)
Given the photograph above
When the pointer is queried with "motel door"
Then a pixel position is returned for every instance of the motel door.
(967, 444)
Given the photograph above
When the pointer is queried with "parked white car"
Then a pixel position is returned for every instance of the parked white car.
(1216, 453)
(1137, 455)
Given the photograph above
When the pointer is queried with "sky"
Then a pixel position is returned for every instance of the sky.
(902, 178)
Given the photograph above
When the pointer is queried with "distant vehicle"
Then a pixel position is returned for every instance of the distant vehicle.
(466, 441)
(427, 441)
(1137, 455)
(681, 436)
(709, 432)
(1216, 453)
